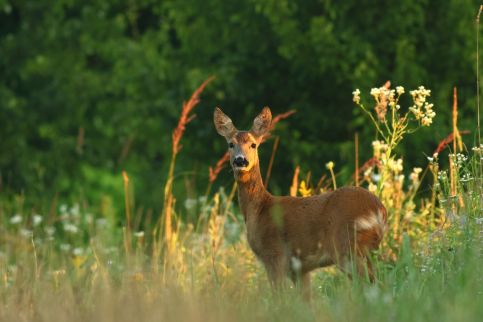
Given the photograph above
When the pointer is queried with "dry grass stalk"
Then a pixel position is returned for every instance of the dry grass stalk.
(447, 141)
(280, 117)
(220, 164)
(452, 158)
(295, 182)
(356, 173)
(456, 134)
(270, 164)
(186, 117)
(178, 132)
(127, 237)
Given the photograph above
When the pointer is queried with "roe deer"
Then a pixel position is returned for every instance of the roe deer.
(293, 235)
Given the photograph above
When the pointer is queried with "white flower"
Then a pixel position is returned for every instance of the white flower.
(77, 251)
(426, 121)
(63, 208)
(190, 203)
(49, 230)
(400, 90)
(75, 210)
(356, 96)
(16, 219)
(65, 247)
(376, 92)
(36, 219)
(26, 233)
(414, 176)
(101, 222)
(376, 177)
(139, 234)
(70, 228)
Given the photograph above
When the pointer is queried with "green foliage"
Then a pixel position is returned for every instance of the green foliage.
(99, 84)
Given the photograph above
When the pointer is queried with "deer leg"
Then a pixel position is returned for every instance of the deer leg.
(276, 271)
(302, 282)
(306, 290)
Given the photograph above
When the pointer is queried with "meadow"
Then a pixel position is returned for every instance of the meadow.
(75, 261)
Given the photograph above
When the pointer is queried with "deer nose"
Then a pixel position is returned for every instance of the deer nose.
(240, 162)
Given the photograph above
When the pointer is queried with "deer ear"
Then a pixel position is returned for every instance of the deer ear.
(261, 124)
(223, 124)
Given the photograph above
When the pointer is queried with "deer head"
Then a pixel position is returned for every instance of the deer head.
(243, 145)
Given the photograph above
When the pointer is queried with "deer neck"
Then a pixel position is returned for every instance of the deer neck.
(252, 194)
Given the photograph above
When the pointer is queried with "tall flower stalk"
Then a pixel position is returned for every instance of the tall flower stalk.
(385, 177)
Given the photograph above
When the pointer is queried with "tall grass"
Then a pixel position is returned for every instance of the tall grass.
(78, 264)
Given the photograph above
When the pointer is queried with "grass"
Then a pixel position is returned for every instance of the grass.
(209, 278)
(77, 263)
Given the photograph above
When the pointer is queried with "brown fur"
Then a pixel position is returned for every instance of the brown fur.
(293, 235)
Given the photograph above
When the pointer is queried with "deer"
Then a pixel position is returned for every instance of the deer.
(293, 236)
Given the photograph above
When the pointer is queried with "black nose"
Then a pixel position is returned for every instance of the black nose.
(240, 162)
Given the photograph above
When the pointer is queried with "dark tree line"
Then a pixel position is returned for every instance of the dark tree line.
(89, 88)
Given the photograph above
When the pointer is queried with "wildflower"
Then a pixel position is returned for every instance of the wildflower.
(26, 233)
(329, 165)
(417, 112)
(77, 251)
(58, 272)
(71, 228)
(16, 219)
(356, 96)
(392, 95)
(414, 176)
(89, 218)
(421, 109)
(376, 177)
(396, 165)
(75, 210)
(101, 222)
(139, 234)
(49, 230)
(304, 190)
(65, 247)
(36, 219)
(376, 92)
(372, 187)
(190, 203)
(378, 147)
(400, 90)
(367, 173)
(63, 208)
(426, 121)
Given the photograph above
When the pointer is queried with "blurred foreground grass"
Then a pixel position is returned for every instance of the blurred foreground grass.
(86, 275)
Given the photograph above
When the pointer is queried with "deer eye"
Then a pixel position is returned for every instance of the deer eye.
(231, 145)
(254, 145)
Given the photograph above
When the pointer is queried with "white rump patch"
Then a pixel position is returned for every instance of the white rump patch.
(365, 223)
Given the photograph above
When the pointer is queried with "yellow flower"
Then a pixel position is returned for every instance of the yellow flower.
(329, 165)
